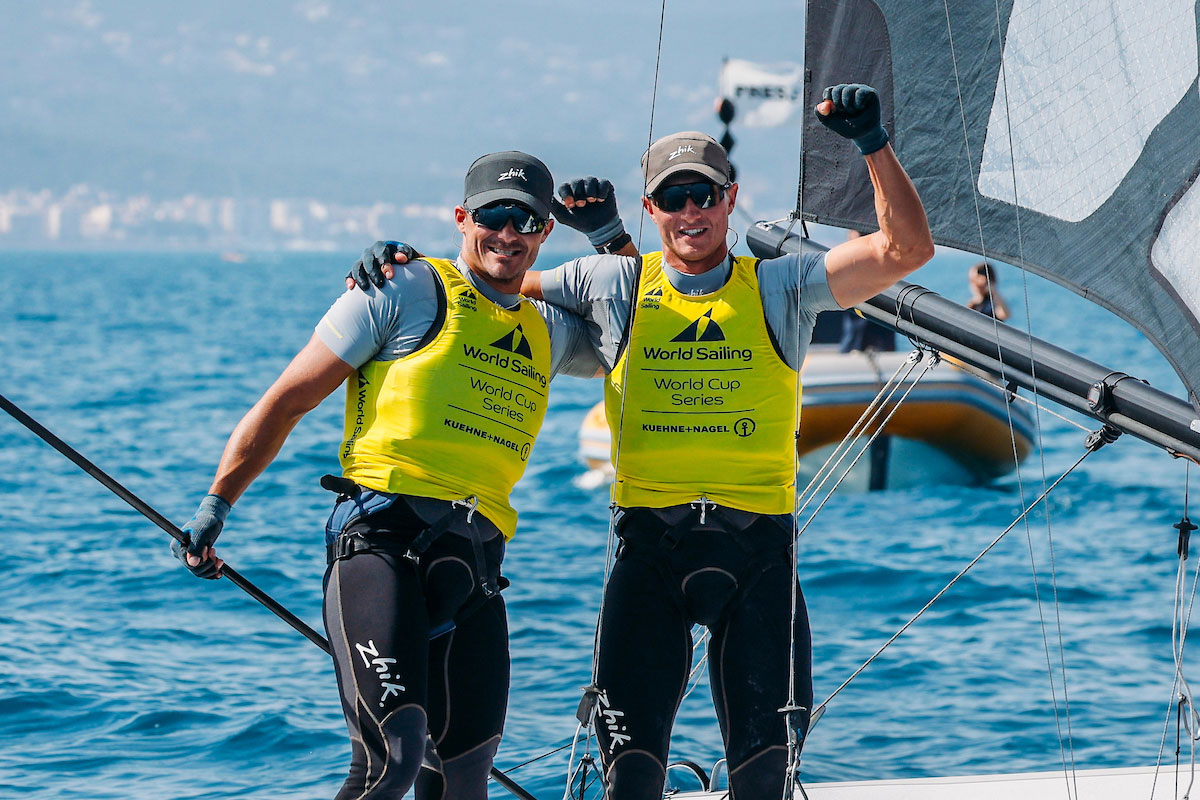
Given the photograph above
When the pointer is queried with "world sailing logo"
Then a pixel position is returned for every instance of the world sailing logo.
(702, 330)
(514, 342)
(360, 414)
(652, 299)
(513, 173)
(467, 300)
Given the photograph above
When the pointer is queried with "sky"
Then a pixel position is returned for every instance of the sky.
(372, 101)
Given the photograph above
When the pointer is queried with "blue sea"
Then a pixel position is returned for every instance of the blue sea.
(122, 676)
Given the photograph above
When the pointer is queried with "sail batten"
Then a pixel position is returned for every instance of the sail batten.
(1056, 135)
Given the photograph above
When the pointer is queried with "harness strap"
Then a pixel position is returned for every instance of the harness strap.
(761, 552)
(712, 517)
(348, 544)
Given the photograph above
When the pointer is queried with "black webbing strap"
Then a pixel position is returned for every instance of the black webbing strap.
(348, 544)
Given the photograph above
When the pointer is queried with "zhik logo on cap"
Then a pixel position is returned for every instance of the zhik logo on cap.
(680, 151)
(702, 330)
(513, 173)
(514, 342)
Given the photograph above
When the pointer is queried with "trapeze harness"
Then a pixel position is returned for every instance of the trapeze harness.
(704, 491)
(434, 442)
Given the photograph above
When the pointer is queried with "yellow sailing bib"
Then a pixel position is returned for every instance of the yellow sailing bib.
(710, 407)
(458, 417)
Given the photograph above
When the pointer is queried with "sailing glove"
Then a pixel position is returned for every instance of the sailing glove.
(598, 219)
(855, 116)
(369, 269)
(202, 530)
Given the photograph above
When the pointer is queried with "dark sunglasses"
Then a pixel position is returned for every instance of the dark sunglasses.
(495, 216)
(674, 198)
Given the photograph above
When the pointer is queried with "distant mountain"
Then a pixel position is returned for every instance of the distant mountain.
(356, 102)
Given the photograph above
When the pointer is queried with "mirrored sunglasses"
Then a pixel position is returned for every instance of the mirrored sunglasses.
(674, 198)
(496, 215)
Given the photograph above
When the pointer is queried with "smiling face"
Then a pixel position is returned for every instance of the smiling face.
(499, 257)
(693, 238)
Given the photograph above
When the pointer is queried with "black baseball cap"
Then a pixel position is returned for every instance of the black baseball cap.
(689, 151)
(513, 176)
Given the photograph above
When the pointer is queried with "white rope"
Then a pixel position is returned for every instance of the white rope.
(983, 376)
(694, 676)
(867, 419)
(1181, 693)
(930, 364)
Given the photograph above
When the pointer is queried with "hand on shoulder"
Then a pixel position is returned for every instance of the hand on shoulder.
(376, 266)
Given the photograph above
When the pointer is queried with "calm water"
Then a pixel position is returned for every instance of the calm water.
(121, 676)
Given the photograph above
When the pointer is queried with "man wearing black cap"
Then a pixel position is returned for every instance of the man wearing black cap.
(702, 353)
(446, 371)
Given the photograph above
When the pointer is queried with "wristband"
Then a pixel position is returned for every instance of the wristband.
(606, 232)
(615, 245)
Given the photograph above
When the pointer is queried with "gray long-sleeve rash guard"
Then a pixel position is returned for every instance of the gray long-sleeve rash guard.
(599, 289)
(387, 324)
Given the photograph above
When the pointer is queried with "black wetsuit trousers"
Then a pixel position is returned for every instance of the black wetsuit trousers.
(407, 698)
(740, 588)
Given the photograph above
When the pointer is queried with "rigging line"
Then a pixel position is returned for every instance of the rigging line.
(930, 365)
(580, 728)
(821, 708)
(144, 508)
(1041, 449)
(986, 378)
(693, 677)
(1037, 417)
(846, 472)
(1181, 694)
(662, 18)
(1162, 744)
(1037, 426)
(1191, 709)
(873, 409)
(848, 442)
(794, 744)
(886, 391)
(1177, 655)
(610, 554)
(547, 754)
(1179, 628)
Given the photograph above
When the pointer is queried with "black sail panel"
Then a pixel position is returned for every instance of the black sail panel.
(1069, 147)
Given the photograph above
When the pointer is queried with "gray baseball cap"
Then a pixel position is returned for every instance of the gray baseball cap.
(513, 176)
(690, 151)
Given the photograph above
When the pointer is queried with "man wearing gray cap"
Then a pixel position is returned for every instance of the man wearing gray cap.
(446, 372)
(702, 352)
